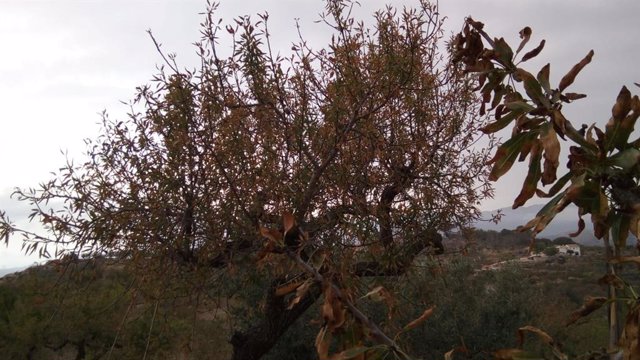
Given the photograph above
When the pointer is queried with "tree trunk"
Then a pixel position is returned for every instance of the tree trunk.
(256, 341)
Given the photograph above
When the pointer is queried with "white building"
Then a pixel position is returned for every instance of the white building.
(569, 249)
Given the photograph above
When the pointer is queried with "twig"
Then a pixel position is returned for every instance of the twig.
(375, 330)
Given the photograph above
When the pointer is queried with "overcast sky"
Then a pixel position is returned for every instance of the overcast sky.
(63, 62)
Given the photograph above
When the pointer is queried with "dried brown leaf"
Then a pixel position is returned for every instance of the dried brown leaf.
(570, 77)
(508, 354)
(301, 292)
(533, 53)
(551, 146)
(425, 315)
(590, 305)
(288, 288)
(525, 35)
(629, 341)
(271, 234)
(625, 259)
(323, 340)
(288, 221)
(611, 279)
(623, 104)
(546, 338)
(581, 225)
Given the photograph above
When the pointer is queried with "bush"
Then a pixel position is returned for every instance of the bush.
(550, 251)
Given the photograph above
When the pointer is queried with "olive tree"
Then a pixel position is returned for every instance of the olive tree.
(320, 168)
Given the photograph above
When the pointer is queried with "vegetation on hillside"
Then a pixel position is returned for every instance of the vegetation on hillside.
(93, 312)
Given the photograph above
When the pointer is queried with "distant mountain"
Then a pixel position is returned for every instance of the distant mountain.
(7, 271)
(563, 224)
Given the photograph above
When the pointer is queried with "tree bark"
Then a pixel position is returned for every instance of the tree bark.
(256, 341)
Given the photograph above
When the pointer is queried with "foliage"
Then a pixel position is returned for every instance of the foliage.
(602, 171)
(94, 313)
(477, 312)
(550, 250)
(319, 168)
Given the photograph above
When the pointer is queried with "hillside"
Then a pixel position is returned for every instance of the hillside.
(563, 224)
(7, 271)
(90, 309)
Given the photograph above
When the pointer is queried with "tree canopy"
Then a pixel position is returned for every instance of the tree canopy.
(319, 168)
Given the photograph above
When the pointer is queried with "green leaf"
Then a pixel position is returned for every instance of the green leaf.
(519, 106)
(532, 88)
(625, 159)
(586, 196)
(502, 122)
(507, 153)
(546, 214)
(560, 183)
(503, 52)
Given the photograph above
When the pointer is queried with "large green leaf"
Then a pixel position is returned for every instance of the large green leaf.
(625, 159)
(546, 214)
(502, 122)
(508, 152)
(503, 51)
(532, 88)
(560, 183)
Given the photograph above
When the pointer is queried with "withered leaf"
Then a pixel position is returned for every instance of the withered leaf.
(551, 146)
(533, 53)
(525, 35)
(581, 226)
(623, 104)
(631, 334)
(323, 340)
(590, 305)
(574, 96)
(533, 175)
(271, 234)
(570, 77)
(508, 354)
(611, 279)
(288, 288)
(625, 259)
(543, 77)
(352, 353)
(546, 338)
(288, 221)
(425, 315)
(301, 292)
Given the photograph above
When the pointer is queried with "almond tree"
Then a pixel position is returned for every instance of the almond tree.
(602, 173)
(320, 168)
